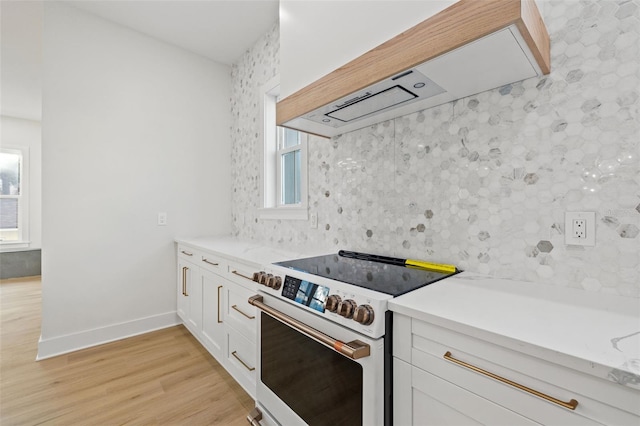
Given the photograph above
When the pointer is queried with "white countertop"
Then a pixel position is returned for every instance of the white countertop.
(252, 252)
(595, 333)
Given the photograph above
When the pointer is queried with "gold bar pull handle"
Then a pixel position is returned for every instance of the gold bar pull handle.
(186, 253)
(219, 320)
(240, 275)
(571, 405)
(184, 280)
(235, 307)
(235, 355)
(205, 260)
(354, 349)
(254, 417)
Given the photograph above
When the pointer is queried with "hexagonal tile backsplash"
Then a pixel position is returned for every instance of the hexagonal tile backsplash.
(482, 182)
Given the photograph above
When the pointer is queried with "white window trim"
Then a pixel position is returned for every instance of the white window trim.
(269, 176)
(23, 211)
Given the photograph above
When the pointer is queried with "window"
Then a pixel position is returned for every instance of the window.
(289, 158)
(284, 174)
(13, 196)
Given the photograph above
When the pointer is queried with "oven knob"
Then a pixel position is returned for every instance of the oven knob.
(265, 279)
(272, 280)
(256, 276)
(346, 308)
(332, 302)
(363, 314)
(278, 283)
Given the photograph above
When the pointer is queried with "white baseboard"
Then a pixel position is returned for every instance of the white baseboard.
(55, 346)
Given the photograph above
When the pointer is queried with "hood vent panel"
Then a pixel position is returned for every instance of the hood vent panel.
(370, 105)
(388, 94)
(467, 48)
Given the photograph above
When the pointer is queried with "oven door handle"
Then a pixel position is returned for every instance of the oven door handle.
(354, 350)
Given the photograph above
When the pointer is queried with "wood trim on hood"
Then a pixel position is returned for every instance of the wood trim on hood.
(456, 26)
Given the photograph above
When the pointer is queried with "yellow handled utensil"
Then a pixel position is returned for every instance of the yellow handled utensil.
(437, 267)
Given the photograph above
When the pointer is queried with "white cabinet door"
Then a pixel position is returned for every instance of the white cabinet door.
(240, 327)
(184, 285)
(213, 287)
(421, 398)
(190, 295)
(241, 360)
(238, 313)
(194, 296)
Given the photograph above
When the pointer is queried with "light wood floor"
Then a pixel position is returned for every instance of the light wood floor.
(160, 378)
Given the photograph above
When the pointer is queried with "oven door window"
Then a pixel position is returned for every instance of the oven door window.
(318, 384)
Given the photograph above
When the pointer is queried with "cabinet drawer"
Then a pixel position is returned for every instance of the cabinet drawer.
(238, 313)
(187, 253)
(241, 361)
(599, 401)
(420, 398)
(243, 274)
(212, 263)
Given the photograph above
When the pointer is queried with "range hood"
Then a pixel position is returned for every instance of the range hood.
(468, 48)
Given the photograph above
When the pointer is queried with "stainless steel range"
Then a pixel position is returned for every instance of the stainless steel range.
(324, 338)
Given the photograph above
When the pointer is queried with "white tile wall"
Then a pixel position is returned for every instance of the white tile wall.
(482, 182)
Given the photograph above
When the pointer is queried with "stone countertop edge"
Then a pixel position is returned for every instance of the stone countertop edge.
(255, 253)
(593, 333)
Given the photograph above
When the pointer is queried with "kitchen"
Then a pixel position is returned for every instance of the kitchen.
(533, 148)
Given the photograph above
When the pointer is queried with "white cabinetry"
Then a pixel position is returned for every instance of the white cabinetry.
(197, 294)
(442, 376)
(189, 292)
(241, 325)
(423, 398)
(212, 324)
(213, 295)
(183, 280)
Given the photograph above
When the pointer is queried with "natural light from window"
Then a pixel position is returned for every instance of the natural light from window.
(12, 196)
(284, 174)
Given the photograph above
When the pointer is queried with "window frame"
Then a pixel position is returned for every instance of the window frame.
(23, 200)
(280, 152)
(271, 181)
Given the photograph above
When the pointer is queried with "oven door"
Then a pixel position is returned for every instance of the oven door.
(302, 376)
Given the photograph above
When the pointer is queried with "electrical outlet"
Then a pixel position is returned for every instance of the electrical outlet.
(580, 228)
(313, 219)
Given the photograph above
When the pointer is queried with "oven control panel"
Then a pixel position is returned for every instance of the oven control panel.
(336, 301)
(316, 297)
(305, 293)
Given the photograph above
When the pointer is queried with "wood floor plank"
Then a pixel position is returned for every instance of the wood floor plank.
(161, 378)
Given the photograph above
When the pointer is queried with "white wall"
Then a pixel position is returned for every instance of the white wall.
(131, 127)
(26, 134)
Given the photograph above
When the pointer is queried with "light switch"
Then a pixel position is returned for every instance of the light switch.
(162, 219)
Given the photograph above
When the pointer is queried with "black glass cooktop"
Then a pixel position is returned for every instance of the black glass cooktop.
(382, 277)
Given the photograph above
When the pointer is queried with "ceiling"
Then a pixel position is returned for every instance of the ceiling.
(221, 30)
